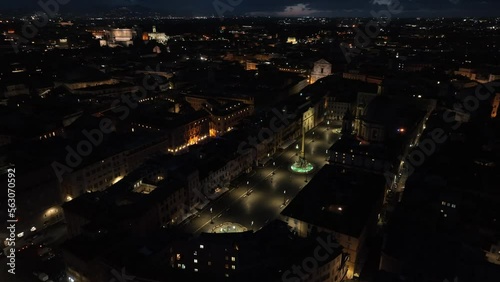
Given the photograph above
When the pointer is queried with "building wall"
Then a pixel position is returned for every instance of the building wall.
(172, 209)
(79, 270)
(358, 160)
(336, 110)
(354, 76)
(495, 104)
(362, 101)
(138, 155)
(85, 84)
(113, 91)
(335, 270)
(320, 70)
(219, 259)
(371, 132)
(188, 134)
(74, 223)
(220, 124)
(352, 245)
(37, 200)
(96, 176)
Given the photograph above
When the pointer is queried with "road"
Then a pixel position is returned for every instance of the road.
(271, 186)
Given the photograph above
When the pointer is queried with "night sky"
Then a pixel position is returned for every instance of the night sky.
(333, 8)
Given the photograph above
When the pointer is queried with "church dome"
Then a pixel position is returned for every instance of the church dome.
(380, 110)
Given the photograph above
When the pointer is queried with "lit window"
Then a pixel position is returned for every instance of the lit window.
(453, 206)
(233, 259)
(196, 270)
(178, 256)
(233, 266)
(445, 215)
(201, 246)
(195, 261)
(443, 203)
(209, 263)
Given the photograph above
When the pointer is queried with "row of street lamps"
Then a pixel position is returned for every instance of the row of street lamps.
(272, 174)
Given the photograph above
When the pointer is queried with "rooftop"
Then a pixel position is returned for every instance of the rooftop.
(339, 200)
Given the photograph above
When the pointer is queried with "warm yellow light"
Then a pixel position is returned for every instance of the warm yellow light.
(117, 179)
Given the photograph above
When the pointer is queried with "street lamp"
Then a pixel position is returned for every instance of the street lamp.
(248, 187)
(284, 197)
(211, 216)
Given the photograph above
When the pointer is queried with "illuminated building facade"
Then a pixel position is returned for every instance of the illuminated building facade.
(159, 37)
(118, 37)
(321, 69)
(96, 176)
(495, 104)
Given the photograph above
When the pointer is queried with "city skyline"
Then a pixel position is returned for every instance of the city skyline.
(280, 8)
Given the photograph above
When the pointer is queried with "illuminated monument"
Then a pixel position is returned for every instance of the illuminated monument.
(302, 165)
(159, 37)
(115, 37)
